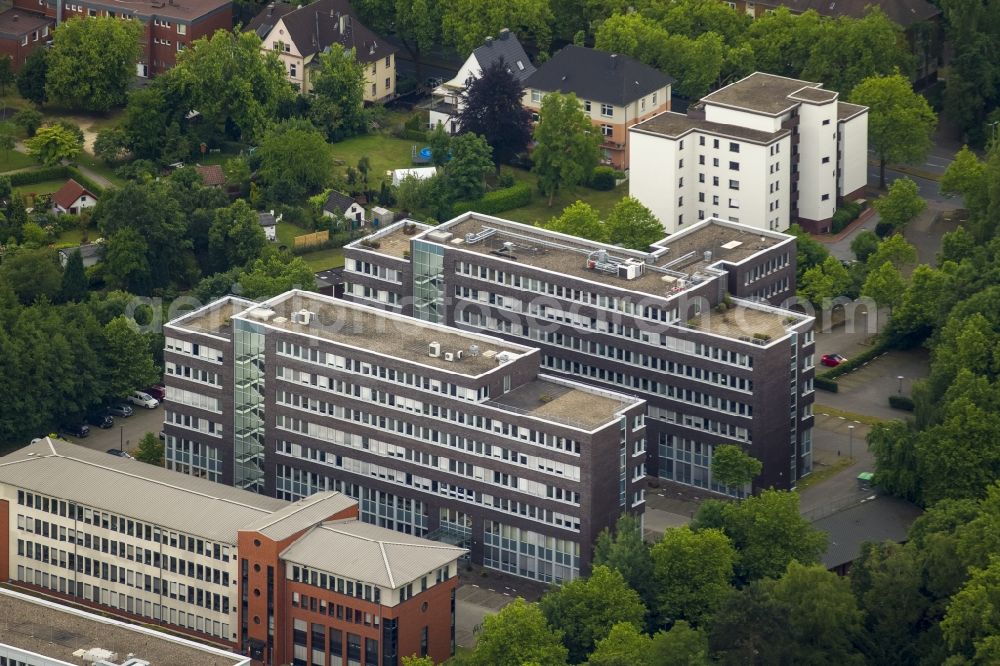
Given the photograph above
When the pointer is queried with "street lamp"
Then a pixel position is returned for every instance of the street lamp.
(121, 438)
(900, 378)
(850, 431)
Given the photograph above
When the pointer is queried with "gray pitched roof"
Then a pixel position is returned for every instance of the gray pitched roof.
(266, 219)
(505, 48)
(370, 553)
(597, 75)
(301, 515)
(314, 27)
(338, 202)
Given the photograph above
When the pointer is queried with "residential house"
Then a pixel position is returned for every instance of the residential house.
(72, 199)
(420, 173)
(269, 224)
(91, 253)
(21, 33)
(300, 33)
(766, 151)
(505, 49)
(616, 92)
(212, 175)
(342, 207)
(170, 25)
(921, 21)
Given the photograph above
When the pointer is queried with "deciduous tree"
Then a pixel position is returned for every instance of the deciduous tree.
(732, 467)
(692, 571)
(92, 63)
(150, 450)
(466, 170)
(901, 203)
(632, 225)
(900, 121)
(31, 78)
(864, 244)
(492, 108)
(627, 552)
(681, 645)
(32, 274)
(579, 219)
(972, 624)
(53, 143)
(566, 145)
(885, 285)
(128, 362)
(830, 279)
(623, 646)
(276, 274)
(295, 161)
(7, 76)
(74, 279)
(235, 237)
(465, 24)
(586, 609)
(337, 105)
(517, 635)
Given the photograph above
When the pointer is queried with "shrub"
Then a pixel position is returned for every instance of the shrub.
(856, 361)
(824, 384)
(506, 178)
(884, 229)
(496, 201)
(901, 402)
(845, 215)
(602, 178)
(413, 135)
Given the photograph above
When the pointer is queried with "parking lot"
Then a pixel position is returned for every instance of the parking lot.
(126, 432)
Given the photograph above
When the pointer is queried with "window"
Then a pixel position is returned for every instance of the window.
(734, 147)
(680, 219)
(701, 141)
(734, 203)
(642, 104)
(734, 166)
(701, 215)
(680, 164)
(534, 117)
(92, 12)
(826, 122)
(680, 182)
(182, 29)
(34, 36)
(682, 144)
(536, 96)
(715, 199)
(388, 61)
(373, 89)
(701, 159)
(701, 197)
(701, 178)
(734, 184)
(520, 65)
(715, 161)
(293, 71)
(654, 98)
(24, 41)
(388, 83)
(586, 105)
(680, 201)
(715, 143)
(826, 160)
(607, 130)
(715, 181)
(825, 197)
(607, 110)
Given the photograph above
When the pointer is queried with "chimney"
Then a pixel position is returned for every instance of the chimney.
(614, 60)
(505, 33)
(489, 41)
(270, 9)
(343, 21)
(15, 18)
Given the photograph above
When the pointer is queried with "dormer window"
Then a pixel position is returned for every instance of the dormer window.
(520, 65)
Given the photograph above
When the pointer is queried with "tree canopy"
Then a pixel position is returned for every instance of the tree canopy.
(566, 145)
(92, 63)
(295, 161)
(492, 108)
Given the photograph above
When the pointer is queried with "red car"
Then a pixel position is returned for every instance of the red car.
(158, 391)
(832, 360)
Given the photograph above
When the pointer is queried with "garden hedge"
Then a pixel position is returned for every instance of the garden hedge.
(496, 201)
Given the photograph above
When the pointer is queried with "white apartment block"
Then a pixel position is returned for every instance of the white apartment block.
(766, 151)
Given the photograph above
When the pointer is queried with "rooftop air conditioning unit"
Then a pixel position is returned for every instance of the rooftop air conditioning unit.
(473, 350)
(434, 349)
(448, 356)
(459, 354)
(708, 255)
(503, 357)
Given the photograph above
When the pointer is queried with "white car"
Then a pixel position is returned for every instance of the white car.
(143, 400)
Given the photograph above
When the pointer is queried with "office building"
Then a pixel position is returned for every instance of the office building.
(766, 151)
(301, 583)
(435, 431)
(691, 326)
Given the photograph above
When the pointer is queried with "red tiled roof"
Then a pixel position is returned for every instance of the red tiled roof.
(212, 175)
(69, 193)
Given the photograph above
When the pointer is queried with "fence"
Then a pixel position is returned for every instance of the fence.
(309, 240)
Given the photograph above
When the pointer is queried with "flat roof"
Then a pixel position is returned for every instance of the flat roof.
(383, 333)
(373, 554)
(874, 519)
(392, 241)
(748, 322)
(674, 125)
(185, 10)
(563, 402)
(673, 265)
(139, 490)
(847, 110)
(57, 631)
(214, 318)
(812, 94)
(759, 92)
(16, 22)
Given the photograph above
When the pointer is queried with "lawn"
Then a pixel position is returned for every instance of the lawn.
(324, 259)
(98, 166)
(70, 238)
(11, 160)
(44, 187)
(287, 232)
(385, 153)
(539, 211)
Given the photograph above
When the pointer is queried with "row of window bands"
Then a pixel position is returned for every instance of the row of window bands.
(121, 549)
(336, 647)
(115, 574)
(352, 615)
(123, 525)
(337, 584)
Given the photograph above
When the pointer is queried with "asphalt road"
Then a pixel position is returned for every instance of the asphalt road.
(126, 432)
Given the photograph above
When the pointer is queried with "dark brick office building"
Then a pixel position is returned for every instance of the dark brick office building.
(435, 431)
(691, 326)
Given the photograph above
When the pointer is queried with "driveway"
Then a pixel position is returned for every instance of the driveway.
(126, 432)
(836, 439)
(867, 389)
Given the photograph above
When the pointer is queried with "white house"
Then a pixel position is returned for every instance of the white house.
(340, 206)
(766, 151)
(448, 96)
(269, 223)
(72, 198)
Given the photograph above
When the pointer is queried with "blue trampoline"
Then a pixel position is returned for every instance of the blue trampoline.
(425, 152)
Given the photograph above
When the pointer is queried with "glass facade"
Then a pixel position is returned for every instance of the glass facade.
(530, 554)
(248, 425)
(190, 457)
(428, 281)
(688, 461)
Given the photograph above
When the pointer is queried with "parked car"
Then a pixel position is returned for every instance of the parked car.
(143, 400)
(76, 429)
(832, 360)
(120, 410)
(158, 391)
(119, 453)
(101, 420)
